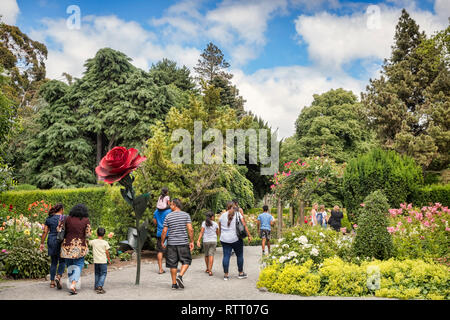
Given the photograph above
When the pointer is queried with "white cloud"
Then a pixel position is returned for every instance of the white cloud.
(74, 47)
(9, 10)
(237, 26)
(335, 40)
(278, 94)
(442, 9)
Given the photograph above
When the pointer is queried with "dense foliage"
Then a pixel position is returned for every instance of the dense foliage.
(372, 237)
(408, 104)
(397, 176)
(334, 125)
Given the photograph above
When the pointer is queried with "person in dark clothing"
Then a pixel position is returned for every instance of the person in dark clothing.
(335, 219)
(55, 216)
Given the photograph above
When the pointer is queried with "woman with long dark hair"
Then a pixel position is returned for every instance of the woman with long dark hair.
(55, 216)
(230, 241)
(210, 230)
(75, 247)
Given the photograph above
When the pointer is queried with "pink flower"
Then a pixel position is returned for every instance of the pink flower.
(391, 229)
(355, 226)
(447, 229)
(4, 251)
(426, 223)
(362, 205)
(344, 230)
(399, 223)
(272, 186)
(422, 237)
(409, 220)
(110, 235)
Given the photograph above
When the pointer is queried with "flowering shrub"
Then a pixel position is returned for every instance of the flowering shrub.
(20, 228)
(420, 232)
(301, 244)
(24, 260)
(408, 279)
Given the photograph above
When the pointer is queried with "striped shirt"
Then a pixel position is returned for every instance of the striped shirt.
(176, 222)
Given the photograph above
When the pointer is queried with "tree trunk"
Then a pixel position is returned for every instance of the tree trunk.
(138, 254)
(291, 214)
(280, 218)
(301, 212)
(99, 147)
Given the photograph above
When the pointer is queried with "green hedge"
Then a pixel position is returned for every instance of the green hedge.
(431, 194)
(96, 199)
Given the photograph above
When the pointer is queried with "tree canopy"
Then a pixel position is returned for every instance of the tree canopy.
(334, 125)
(409, 104)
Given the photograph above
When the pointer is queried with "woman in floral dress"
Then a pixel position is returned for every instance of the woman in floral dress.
(75, 246)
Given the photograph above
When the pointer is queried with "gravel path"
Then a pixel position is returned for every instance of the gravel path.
(198, 285)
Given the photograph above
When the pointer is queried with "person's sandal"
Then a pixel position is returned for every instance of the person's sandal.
(52, 285)
(73, 291)
(58, 283)
(100, 290)
(210, 273)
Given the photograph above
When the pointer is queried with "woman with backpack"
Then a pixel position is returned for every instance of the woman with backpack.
(55, 217)
(230, 240)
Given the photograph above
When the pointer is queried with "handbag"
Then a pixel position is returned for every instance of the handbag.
(62, 232)
(240, 229)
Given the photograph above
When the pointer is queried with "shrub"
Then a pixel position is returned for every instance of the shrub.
(124, 256)
(420, 232)
(396, 175)
(94, 198)
(297, 280)
(24, 260)
(408, 279)
(436, 193)
(372, 237)
(20, 187)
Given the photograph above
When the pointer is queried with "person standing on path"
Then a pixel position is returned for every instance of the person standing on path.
(75, 247)
(335, 218)
(177, 227)
(58, 265)
(162, 210)
(230, 240)
(265, 220)
(210, 230)
(314, 214)
(100, 252)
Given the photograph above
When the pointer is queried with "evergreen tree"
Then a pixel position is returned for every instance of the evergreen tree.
(166, 72)
(118, 102)
(59, 156)
(212, 64)
(23, 58)
(408, 105)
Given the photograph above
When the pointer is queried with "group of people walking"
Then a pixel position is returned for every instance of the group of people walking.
(71, 246)
(174, 239)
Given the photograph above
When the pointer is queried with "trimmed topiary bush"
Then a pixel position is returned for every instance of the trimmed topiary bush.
(372, 238)
(394, 174)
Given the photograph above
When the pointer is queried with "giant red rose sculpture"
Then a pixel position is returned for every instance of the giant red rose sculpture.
(117, 166)
(118, 163)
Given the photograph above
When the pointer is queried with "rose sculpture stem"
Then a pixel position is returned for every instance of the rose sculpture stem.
(139, 205)
(117, 166)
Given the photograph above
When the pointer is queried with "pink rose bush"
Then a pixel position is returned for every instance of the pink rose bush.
(420, 232)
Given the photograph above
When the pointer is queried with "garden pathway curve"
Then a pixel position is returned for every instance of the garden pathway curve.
(198, 285)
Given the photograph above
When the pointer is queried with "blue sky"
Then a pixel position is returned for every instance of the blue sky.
(281, 51)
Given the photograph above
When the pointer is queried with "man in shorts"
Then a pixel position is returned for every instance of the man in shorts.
(265, 221)
(177, 227)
